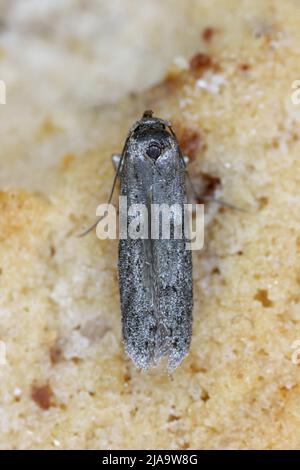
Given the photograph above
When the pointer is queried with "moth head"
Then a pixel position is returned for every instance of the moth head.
(152, 135)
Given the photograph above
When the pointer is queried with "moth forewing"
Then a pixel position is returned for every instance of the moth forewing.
(155, 274)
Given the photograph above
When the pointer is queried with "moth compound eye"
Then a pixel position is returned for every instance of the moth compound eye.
(154, 151)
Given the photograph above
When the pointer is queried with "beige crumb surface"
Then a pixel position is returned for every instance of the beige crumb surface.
(67, 382)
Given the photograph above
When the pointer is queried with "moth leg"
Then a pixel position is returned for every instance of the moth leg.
(186, 160)
(116, 158)
(117, 162)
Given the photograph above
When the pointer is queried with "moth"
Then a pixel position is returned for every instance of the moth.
(155, 274)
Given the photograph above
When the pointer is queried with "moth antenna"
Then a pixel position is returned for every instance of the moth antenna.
(91, 228)
(225, 204)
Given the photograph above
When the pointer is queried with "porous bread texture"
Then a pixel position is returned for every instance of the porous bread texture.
(67, 383)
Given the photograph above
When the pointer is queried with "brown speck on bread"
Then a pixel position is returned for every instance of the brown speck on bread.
(56, 354)
(52, 251)
(208, 33)
(42, 395)
(201, 62)
(172, 81)
(211, 183)
(191, 141)
(244, 66)
(263, 297)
